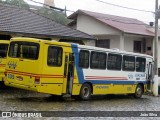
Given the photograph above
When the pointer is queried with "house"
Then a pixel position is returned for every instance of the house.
(18, 22)
(111, 31)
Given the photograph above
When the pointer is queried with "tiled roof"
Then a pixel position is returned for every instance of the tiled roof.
(127, 25)
(16, 20)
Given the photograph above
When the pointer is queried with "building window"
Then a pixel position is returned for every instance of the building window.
(84, 59)
(137, 46)
(54, 56)
(128, 63)
(158, 72)
(114, 61)
(140, 64)
(103, 43)
(98, 60)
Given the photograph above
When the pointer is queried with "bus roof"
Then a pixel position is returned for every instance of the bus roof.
(115, 50)
(40, 40)
(4, 41)
(79, 46)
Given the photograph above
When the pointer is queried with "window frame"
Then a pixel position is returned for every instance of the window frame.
(100, 43)
(123, 64)
(141, 65)
(19, 43)
(5, 50)
(57, 65)
(98, 64)
(80, 52)
(137, 46)
(108, 67)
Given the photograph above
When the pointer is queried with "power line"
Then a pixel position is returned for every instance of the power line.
(106, 18)
(97, 1)
(124, 6)
(51, 6)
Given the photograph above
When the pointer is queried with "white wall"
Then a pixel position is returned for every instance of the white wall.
(129, 41)
(89, 42)
(94, 27)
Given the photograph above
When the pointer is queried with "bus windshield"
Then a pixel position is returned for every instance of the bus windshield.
(26, 50)
(3, 50)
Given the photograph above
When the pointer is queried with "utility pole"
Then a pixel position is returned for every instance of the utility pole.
(65, 11)
(156, 51)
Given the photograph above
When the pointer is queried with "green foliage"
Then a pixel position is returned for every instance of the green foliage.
(57, 16)
(19, 3)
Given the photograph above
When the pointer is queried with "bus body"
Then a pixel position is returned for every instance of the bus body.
(62, 68)
(3, 53)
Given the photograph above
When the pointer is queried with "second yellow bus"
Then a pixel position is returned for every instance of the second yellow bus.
(3, 55)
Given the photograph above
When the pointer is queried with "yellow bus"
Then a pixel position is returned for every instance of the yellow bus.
(61, 68)
(3, 53)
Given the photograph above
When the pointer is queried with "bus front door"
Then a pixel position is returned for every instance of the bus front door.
(150, 76)
(69, 72)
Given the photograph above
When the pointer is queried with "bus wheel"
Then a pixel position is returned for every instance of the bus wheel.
(85, 92)
(138, 92)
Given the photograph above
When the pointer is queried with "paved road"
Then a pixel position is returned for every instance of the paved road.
(21, 100)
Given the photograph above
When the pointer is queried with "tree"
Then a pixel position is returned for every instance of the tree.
(19, 3)
(57, 16)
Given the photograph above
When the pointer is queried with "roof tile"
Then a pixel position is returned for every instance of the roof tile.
(16, 20)
(124, 24)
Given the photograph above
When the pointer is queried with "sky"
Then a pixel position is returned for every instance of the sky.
(95, 6)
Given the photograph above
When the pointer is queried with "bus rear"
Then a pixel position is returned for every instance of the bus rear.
(3, 52)
(23, 64)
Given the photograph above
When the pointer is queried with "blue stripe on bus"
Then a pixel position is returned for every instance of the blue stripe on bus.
(79, 70)
(81, 75)
(114, 82)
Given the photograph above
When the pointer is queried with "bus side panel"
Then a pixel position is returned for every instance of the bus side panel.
(76, 89)
(53, 81)
(113, 89)
(55, 89)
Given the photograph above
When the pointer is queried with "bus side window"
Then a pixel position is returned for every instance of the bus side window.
(13, 52)
(54, 56)
(114, 61)
(98, 60)
(3, 50)
(140, 64)
(128, 63)
(84, 58)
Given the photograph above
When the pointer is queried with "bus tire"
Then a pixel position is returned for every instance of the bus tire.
(85, 92)
(138, 91)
